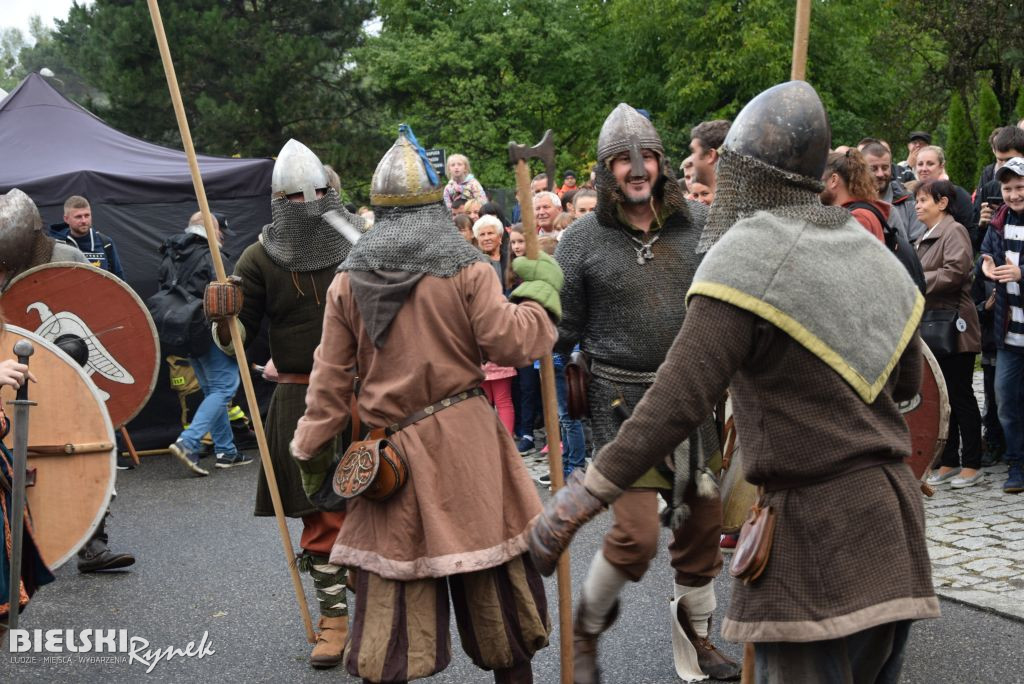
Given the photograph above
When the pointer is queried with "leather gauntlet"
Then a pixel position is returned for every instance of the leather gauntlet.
(222, 301)
(565, 512)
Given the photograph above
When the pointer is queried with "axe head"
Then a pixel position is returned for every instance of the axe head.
(544, 150)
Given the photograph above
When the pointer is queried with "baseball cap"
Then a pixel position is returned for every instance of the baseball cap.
(1015, 167)
(920, 135)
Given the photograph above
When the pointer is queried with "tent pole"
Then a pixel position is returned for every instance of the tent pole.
(236, 333)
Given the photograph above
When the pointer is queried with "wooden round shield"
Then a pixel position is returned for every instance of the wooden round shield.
(60, 299)
(927, 416)
(71, 455)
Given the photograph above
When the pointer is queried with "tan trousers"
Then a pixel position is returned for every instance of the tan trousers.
(694, 553)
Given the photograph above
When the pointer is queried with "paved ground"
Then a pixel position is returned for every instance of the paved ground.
(976, 541)
(207, 566)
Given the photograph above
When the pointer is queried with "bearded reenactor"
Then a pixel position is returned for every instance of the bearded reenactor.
(24, 245)
(415, 310)
(284, 279)
(777, 312)
(627, 266)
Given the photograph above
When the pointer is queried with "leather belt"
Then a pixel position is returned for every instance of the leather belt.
(432, 409)
(293, 378)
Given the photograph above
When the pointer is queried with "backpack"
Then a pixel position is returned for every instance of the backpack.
(898, 244)
(181, 324)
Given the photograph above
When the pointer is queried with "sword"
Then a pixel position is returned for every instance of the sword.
(22, 349)
(347, 230)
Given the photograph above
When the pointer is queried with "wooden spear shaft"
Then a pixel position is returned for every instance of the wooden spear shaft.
(552, 427)
(801, 36)
(236, 333)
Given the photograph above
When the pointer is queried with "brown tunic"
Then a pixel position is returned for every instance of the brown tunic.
(469, 498)
(849, 550)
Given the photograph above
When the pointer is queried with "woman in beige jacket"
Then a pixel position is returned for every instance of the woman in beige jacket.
(947, 259)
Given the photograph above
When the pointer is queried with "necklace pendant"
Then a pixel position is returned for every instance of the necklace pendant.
(640, 258)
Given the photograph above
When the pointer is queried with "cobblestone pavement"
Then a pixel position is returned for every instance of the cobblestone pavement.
(976, 540)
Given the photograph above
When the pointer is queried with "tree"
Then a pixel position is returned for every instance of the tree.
(252, 73)
(470, 76)
(988, 120)
(961, 158)
(12, 42)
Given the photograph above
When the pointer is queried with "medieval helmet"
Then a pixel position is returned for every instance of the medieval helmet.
(404, 176)
(628, 129)
(298, 170)
(785, 127)
(20, 225)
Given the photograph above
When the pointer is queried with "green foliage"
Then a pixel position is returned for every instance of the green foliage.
(961, 150)
(988, 120)
(1019, 108)
(251, 74)
(12, 41)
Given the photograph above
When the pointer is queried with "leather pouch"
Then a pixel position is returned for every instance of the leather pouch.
(755, 544)
(577, 379)
(373, 468)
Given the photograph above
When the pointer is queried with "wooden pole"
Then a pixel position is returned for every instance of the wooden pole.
(129, 445)
(236, 333)
(801, 33)
(552, 427)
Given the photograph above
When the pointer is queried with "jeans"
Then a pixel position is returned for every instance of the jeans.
(574, 447)
(527, 400)
(1010, 397)
(217, 374)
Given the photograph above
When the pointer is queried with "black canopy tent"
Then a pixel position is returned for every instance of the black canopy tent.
(140, 194)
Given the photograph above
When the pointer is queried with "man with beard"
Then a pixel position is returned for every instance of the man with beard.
(23, 245)
(903, 217)
(284, 279)
(776, 313)
(627, 266)
(415, 310)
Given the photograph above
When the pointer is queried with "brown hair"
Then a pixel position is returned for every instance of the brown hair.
(711, 134)
(852, 168)
(75, 202)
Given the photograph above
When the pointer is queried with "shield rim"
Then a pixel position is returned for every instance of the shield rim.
(944, 407)
(102, 510)
(138, 300)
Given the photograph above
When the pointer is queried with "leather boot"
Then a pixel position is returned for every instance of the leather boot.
(712, 662)
(517, 674)
(330, 642)
(95, 556)
(584, 646)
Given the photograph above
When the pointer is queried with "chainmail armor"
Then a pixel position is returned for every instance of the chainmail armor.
(300, 240)
(414, 239)
(747, 185)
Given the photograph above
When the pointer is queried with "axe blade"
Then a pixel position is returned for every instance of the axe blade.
(544, 150)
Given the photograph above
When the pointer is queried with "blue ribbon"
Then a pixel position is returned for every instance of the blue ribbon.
(404, 129)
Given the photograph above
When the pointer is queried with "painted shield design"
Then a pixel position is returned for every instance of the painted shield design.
(70, 449)
(927, 416)
(63, 301)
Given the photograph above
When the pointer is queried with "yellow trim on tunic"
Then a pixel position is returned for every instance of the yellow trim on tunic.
(866, 388)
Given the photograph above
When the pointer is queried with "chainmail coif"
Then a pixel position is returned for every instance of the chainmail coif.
(299, 239)
(746, 185)
(414, 239)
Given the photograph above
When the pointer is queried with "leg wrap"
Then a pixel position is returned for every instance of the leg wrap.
(600, 592)
(329, 581)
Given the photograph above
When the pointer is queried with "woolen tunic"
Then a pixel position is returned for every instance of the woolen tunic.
(849, 551)
(293, 304)
(433, 350)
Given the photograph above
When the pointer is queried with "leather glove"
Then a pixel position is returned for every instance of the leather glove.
(565, 512)
(222, 301)
(542, 281)
(316, 474)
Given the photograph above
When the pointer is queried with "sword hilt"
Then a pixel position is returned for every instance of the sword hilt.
(23, 349)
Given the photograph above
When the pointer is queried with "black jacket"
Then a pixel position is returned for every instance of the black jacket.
(186, 256)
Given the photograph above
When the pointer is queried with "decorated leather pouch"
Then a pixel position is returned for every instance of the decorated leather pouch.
(755, 544)
(373, 468)
(577, 378)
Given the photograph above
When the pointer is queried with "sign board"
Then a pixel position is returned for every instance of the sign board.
(437, 159)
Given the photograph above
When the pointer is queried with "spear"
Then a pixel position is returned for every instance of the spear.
(236, 333)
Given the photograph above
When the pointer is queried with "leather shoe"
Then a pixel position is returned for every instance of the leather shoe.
(96, 557)
(711, 661)
(584, 646)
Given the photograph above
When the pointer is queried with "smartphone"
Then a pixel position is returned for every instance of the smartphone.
(994, 201)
